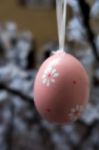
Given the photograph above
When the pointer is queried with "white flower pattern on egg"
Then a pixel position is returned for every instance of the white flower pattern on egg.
(75, 112)
(49, 76)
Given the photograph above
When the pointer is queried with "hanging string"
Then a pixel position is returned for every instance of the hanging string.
(61, 11)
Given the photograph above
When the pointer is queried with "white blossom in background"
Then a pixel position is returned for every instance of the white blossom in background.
(74, 5)
(19, 124)
(5, 38)
(11, 26)
(95, 9)
(97, 41)
(10, 71)
(76, 31)
(19, 104)
(48, 125)
(90, 114)
(11, 29)
(27, 35)
(3, 96)
(5, 73)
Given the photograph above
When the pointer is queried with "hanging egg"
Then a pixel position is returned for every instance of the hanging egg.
(61, 88)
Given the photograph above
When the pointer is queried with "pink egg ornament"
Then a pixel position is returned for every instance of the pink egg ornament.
(61, 89)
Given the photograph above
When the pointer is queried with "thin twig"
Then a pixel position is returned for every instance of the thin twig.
(24, 97)
(85, 10)
(9, 132)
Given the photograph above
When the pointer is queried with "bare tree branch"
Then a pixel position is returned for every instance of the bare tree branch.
(85, 10)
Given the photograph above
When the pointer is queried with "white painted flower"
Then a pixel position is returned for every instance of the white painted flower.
(49, 76)
(75, 112)
(54, 62)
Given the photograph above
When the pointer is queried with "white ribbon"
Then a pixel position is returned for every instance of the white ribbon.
(61, 9)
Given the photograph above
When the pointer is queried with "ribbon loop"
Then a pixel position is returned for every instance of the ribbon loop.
(61, 20)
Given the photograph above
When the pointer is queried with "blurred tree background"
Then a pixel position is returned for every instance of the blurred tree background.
(28, 35)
